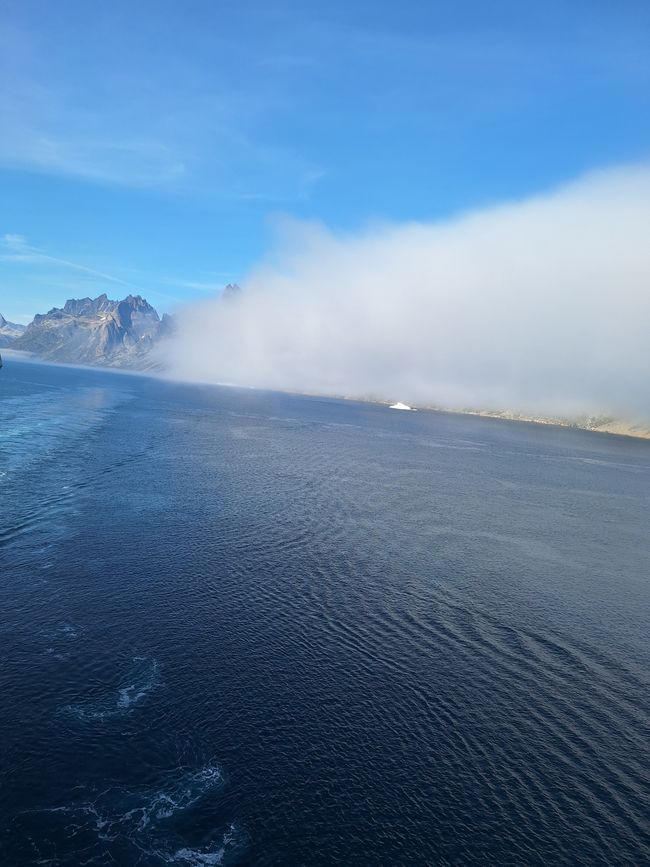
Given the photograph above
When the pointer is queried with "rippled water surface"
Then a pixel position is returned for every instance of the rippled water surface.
(262, 629)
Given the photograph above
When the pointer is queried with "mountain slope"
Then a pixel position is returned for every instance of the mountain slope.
(95, 331)
(9, 331)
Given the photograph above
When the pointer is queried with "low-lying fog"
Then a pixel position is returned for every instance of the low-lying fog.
(540, 305)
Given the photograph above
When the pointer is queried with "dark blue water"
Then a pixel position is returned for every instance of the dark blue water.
(272, 630)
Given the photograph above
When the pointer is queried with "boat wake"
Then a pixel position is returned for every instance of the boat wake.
(141, 680)
(123, 825)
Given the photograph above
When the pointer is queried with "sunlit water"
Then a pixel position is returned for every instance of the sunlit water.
(249, 628)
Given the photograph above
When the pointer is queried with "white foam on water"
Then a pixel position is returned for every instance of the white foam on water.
(206, 855)
(60, 639)
(129, 695)
(139, 689)
(143, 679)
(144, 818)
(187, 792)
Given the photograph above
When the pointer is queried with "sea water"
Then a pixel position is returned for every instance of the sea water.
(242, 627)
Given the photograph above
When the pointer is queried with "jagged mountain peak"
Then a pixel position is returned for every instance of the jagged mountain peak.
(137, 302)
(231, 290)
(86, 306)
(9, 331)
(95, 331)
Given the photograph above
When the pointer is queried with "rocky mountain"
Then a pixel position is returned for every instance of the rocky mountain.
(232, 290)
(9, 331)
(96, 331)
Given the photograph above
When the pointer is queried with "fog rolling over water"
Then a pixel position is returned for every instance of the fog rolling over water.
(540, 305)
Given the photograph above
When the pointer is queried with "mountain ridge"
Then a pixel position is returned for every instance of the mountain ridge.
(98, 331)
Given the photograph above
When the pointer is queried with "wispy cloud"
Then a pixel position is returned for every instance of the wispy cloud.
(136, 163)
(152, 98)
(20, 251)
(15, 248)
(119, 116)
(13, 241)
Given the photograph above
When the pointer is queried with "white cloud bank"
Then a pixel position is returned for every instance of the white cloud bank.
(540, 305)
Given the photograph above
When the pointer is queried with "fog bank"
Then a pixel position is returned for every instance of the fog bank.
(541, 306)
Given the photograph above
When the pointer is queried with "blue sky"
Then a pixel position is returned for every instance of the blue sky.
(152, 146)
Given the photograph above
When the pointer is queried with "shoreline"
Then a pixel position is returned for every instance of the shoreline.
(602, 425)
(611, 426)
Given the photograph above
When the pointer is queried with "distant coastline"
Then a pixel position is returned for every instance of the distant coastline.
(595, 424)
